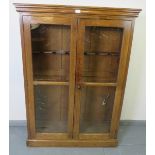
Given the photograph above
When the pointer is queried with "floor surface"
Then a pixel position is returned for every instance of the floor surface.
(131, 142)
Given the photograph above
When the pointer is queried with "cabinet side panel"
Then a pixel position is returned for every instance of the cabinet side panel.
(122, 76)
(27, 76)
(24, 70)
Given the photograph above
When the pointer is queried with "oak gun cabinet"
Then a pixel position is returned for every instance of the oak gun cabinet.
(75, 62)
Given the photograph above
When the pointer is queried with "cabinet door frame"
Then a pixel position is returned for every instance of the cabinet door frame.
(25, 22)
(127, 26)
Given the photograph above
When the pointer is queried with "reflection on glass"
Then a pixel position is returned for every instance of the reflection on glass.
(96, 109)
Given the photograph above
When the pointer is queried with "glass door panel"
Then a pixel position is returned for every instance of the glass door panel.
(51, 108)
(96, 109)
(102, 46)
(99, 47)
(51, 51)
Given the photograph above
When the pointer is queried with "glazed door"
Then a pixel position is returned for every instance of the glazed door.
(99, 76)
(49, 48)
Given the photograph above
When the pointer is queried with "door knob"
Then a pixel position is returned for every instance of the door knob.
(79, 87)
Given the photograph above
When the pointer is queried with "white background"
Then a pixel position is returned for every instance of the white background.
(134, 100)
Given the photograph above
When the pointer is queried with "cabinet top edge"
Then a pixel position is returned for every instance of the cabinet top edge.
(47, 8)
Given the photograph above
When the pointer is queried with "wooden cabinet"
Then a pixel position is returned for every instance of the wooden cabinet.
(75, 68)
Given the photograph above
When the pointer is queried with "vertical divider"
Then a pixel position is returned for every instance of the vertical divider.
(79, 65)
(72, 77)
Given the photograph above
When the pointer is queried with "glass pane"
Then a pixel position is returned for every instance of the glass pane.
(51, 50)
(96, 109)
(51, 104)
(101, 54)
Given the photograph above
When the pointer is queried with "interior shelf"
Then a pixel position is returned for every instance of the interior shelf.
(102, 53)
(52, 78)
(44, 82)
(62, 52)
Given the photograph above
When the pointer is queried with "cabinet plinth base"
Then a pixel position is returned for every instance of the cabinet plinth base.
(72, 143)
